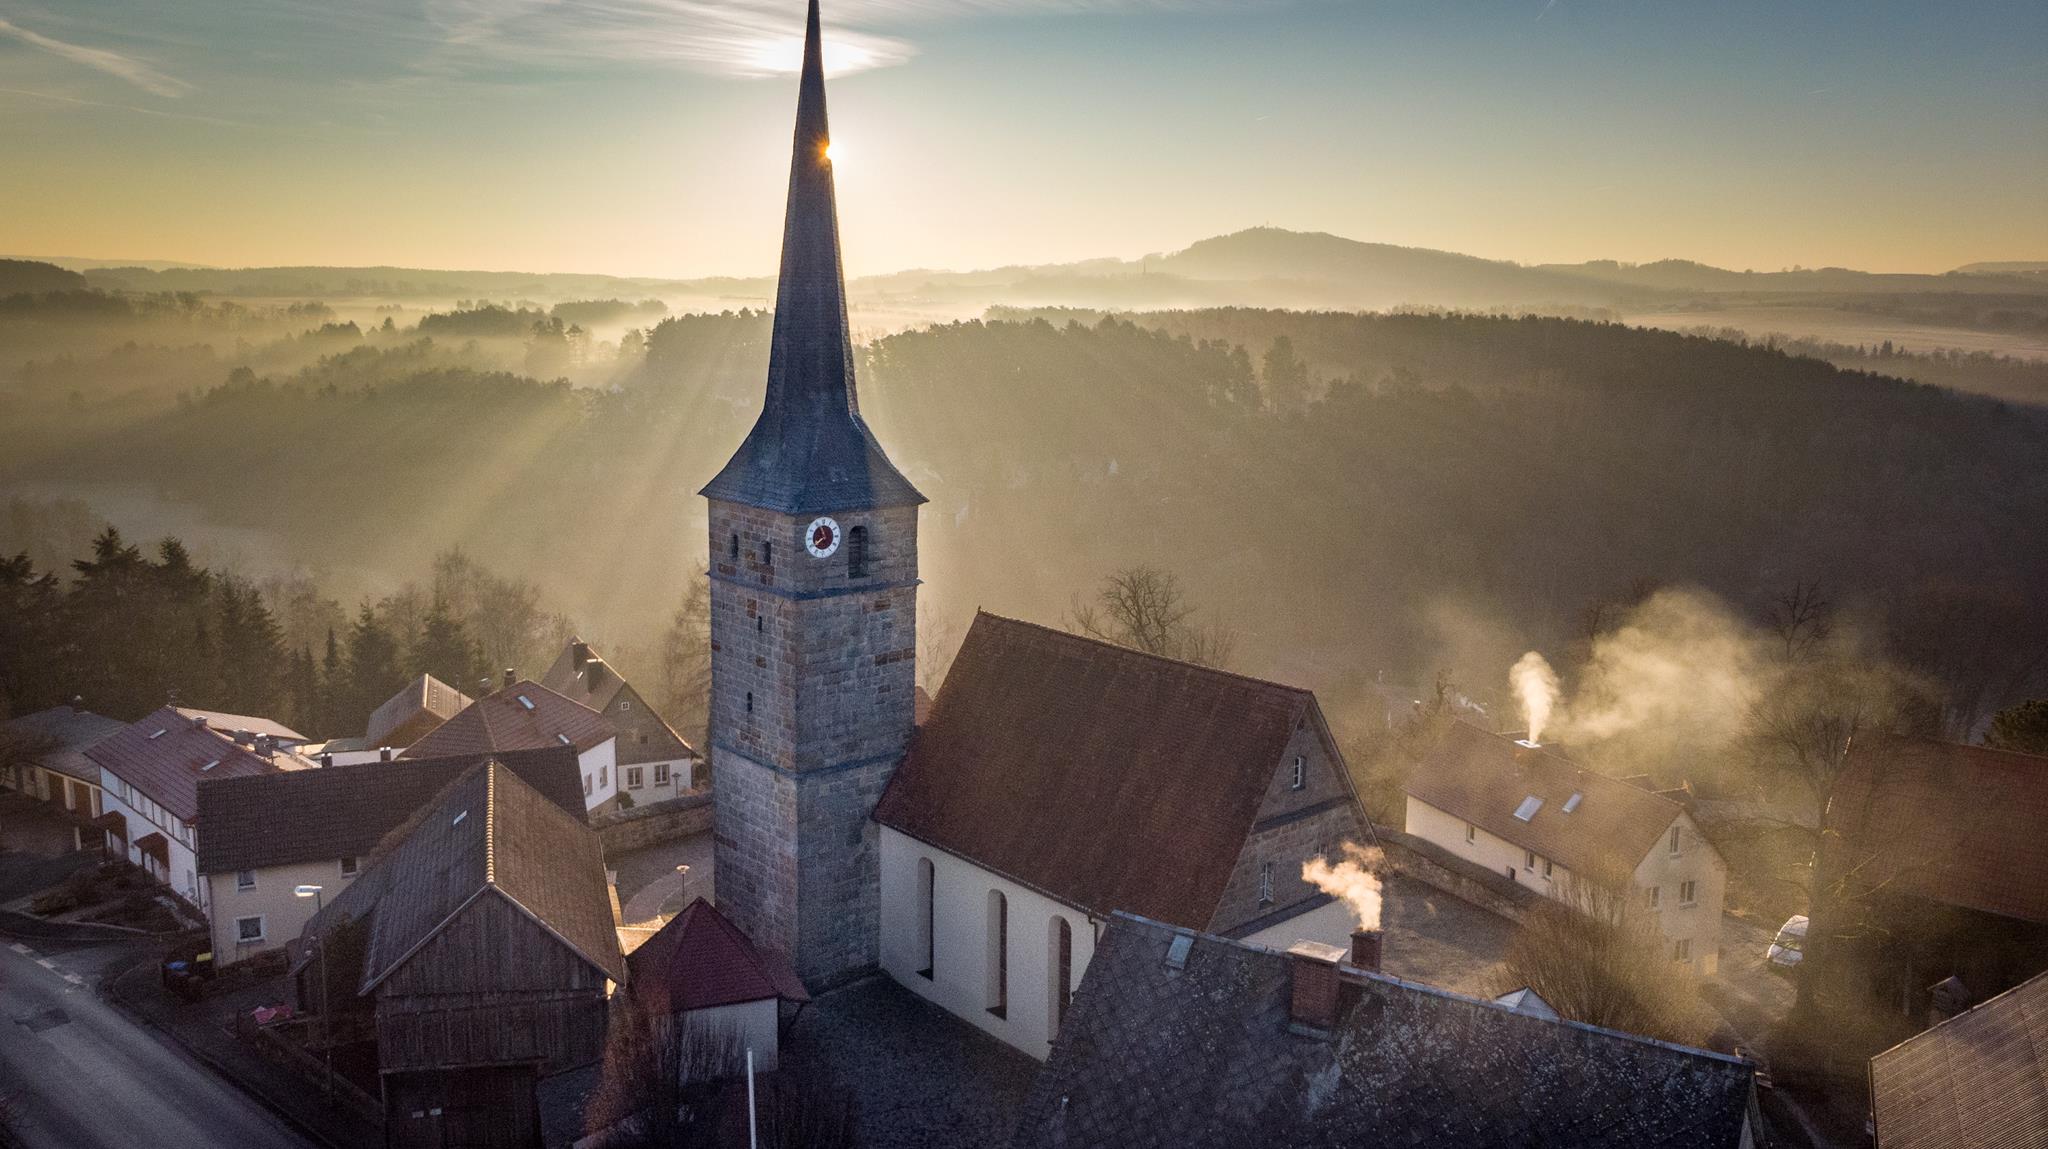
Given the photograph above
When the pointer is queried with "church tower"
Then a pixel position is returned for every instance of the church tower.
(813, 610)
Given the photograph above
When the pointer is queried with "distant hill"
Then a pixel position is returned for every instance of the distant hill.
(32, 277)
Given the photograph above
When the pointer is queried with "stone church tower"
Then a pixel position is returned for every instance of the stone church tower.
(813, 610)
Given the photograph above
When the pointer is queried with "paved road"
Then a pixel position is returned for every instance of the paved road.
(86, 1077)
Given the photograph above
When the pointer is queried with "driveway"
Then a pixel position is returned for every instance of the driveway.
(86, 1077)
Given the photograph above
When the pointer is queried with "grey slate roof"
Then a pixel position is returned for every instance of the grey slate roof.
(57, 738)
(810, 451)
(1977, 1081)
(1203, 1056)
(487, 834)
(344, 811)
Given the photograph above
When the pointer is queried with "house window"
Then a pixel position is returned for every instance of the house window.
(245, 879)
(1471, 832)
(586, 785)
(604, 775)
(998, 953)
(661, 773)
(633, 778)
(1681, 950)
(249, 929)
(1674, 841)
(1060, 963)
(1688, 893)
(1265, 883)
(1300, 773)
(857, 552)
(927, 880)
(1656, 897)
(1528, 859)
(348, 867)
(1546, 869)
(625, 704)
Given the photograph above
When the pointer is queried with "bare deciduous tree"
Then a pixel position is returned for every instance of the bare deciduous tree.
(686, 662)
(1597, 956)
(1144, 608)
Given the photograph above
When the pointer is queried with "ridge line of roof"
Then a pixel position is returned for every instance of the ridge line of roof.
(1447, 994)
(1120, 648)
(491, 821)
(1582, 770)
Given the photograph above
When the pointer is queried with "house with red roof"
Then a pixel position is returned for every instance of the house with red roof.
(524, 715)
(150, 772)
(1530, 813)
(1058, 780)
(702, 971)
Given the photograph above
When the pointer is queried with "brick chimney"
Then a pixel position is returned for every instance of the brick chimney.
(511, 676)
(1313, 999)
(263, 745)
(383, 753)
(199, 721)
(579, 653)
(1365, 949)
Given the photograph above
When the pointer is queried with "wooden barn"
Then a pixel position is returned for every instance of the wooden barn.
(478, 951)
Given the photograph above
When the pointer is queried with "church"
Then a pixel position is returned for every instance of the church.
(1057, 779)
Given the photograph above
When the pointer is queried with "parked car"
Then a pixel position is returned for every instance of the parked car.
(1789, 946)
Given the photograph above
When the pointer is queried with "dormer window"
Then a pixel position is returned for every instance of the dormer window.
(1300, 773)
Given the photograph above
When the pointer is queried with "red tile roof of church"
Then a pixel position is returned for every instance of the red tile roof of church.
(1102, 776)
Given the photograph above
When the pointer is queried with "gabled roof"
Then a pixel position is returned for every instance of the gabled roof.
(1103, 776)
(1960, 825)
(522, 716)
(58, 738)
(810, 450)
(1486, 778)
(581, 674)
(1203, 1055)
(166, 754)
(344, 811)
(421, 705)
(1977, 1081)
(700, 960)
(487, 834)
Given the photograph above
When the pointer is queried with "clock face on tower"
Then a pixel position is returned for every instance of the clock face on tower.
(821, 538)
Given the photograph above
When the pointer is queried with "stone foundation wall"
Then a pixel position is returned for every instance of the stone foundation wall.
(645, 825)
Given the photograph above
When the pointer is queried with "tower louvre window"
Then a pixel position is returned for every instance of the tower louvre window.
(857, 552)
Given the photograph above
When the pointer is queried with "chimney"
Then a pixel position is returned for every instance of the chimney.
(1313, 999)
(199, 721)
(263, 745)
(383, 753)
(245, 738)
(326, 759)
(483, 686)
(1365, 949)
(579, 653)
(511, 676)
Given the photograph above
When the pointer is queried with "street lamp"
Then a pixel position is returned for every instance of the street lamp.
(326, 1022)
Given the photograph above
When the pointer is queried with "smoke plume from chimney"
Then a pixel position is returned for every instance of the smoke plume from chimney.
(1351, 880)
(1536, 689)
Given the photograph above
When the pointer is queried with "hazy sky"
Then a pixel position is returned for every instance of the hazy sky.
(651, 137)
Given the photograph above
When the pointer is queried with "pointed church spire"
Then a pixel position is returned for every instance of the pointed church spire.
(810, 449)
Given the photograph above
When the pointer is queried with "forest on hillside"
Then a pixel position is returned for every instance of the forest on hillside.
(1364, 499)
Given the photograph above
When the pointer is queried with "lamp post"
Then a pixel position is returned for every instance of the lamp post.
(326, 1022)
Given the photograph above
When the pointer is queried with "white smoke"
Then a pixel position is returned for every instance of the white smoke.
(1535, 686)
(1351, 880)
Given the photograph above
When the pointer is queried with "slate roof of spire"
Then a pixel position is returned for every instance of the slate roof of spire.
(1201, 1054)
(810, 450)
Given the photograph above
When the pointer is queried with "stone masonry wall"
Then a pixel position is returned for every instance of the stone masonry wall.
(754, 846)
(1286, 846)
(645, 825)
(839, 871)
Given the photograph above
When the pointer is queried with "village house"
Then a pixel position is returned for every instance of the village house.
(524, 715)
(150, 772)
(477, 951)
(1941, 850)
(1978, 1080)
(1531, 814)
(1060, 779)
(398, 722)
(43, 756)
(654, 762)
(1192, 1040)
(269, 834)
(704, 973)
